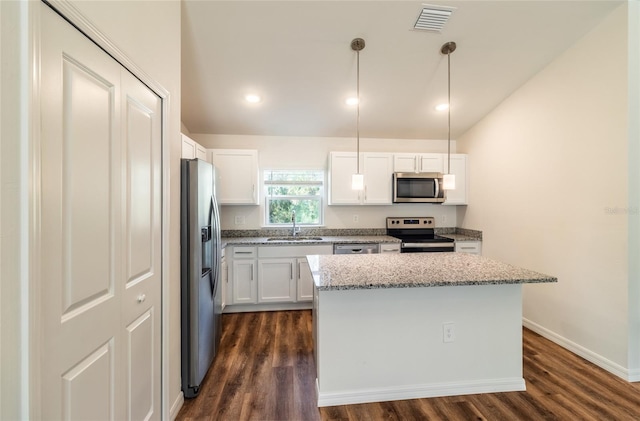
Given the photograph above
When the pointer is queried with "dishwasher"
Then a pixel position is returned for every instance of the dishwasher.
(355, 248)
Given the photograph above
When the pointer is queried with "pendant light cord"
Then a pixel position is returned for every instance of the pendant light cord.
(358, 112)
(449, 112)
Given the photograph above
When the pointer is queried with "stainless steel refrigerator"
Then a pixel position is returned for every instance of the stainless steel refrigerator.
(201, 301)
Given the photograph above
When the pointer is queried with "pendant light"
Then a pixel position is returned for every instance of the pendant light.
(357, 179)
(449, 180)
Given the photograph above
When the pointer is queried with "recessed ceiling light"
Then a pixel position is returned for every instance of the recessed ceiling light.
(351, 101)
(442, 107)
(253, 99)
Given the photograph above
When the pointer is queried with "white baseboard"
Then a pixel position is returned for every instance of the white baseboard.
(419, 391)
(175, 408)
(597, 359)
(243, 308)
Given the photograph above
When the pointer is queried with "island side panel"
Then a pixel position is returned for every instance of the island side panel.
(387, 344)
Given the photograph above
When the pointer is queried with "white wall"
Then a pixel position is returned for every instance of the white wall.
(11, 378)
(550, 184)
(312, 153)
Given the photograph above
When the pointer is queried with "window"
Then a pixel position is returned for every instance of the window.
(287, 191)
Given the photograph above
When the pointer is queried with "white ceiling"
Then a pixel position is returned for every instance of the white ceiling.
(297, 56)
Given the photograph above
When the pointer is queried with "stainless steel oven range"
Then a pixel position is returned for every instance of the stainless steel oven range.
(418, 235)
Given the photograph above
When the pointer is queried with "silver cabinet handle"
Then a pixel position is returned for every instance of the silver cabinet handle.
(141, 298)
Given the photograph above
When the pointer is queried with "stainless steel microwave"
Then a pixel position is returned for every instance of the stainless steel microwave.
(424, 187)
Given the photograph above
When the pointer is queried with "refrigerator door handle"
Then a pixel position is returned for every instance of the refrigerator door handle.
(214, 221)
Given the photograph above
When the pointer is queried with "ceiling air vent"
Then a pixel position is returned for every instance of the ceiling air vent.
(433, 18)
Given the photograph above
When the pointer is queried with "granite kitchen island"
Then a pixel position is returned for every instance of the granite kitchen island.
(413, 325)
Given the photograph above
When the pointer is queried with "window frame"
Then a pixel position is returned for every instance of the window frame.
(320, 197)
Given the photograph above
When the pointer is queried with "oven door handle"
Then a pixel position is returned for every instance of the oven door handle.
(426, 245)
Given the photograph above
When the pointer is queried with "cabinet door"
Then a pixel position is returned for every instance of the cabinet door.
(201, 152)
(224, 281)
(377, 169)
(430, 162)
(459, 169)
(236, 176)
(405, 162)
(276, 281)
(305, 281)
(342, 165)
(188, 148)
(244, 282)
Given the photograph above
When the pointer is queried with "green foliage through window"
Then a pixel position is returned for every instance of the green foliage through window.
(287, 191)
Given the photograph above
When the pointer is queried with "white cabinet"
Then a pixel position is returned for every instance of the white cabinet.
(192, 149)
(377, 169)
(378, 173)
(283, 272)
(224, 280)
(471, 247)
(342, 165)
(411, 162)
(276, 281)
(386, 248)
(304, 281)
(236, 176)
(459, 169)
(244, 275)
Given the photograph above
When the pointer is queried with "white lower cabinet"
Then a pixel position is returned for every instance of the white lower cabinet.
(271, 276)
(283, 272)
(224, 280)
(304, 281)
(244, 275)
(276, 281)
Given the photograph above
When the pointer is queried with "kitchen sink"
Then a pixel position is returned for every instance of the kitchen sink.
(298, 238)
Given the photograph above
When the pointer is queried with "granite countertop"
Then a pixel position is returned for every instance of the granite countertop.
(461, 237)
(410, 270)
(308, 240)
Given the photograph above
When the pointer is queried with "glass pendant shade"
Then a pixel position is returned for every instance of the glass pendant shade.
(449, 182)
(357, 181)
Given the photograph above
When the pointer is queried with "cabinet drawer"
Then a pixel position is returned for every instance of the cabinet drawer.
(473, 247)
(244, 252)
(390, 248)
(293, 251)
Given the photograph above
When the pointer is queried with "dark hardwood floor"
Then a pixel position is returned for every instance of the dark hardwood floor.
(265, 371)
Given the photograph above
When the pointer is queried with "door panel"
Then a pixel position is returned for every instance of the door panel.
(140, 367)
(90, 378)
(140, 217)
(87, 202)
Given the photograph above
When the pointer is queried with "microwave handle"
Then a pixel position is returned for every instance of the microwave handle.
(437, 195)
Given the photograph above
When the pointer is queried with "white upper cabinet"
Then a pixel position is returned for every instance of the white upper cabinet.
(378, 173)
(192, 149)
(411, 162)
(377, 169)
(236, 176)
(341, 166)
(459, 169)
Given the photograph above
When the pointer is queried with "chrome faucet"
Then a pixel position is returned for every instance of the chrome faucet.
(294, 230)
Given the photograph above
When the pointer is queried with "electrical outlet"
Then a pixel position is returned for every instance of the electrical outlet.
(239, 220)
(448, 332)
(444, 219)
(356, 218)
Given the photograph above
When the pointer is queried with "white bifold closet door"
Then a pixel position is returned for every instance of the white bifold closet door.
(100, 233)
